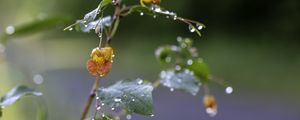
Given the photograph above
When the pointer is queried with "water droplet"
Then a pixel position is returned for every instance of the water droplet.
(85, 25)
(140, 82)
(167, 17)
(199, 26)
(128, 117)
(112, 108)
(177, 67)
(70, 29)
(103, 115)
(141, 13)
(102, 104)
(154, 16)
(175, 17)
(97, 98)
(38, 79)
(133, 100)
(118, 100)
(98, 108)
(190, 62)
(191, 28)
(171, 89)
(229, 90)
(10, 30)
(152, 115)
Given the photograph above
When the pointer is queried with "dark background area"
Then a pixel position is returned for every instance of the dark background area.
(253, 44)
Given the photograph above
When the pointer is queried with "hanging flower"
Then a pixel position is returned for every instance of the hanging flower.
(100, 62)
(210, 105)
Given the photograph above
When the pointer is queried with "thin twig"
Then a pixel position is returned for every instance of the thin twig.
(91, 98)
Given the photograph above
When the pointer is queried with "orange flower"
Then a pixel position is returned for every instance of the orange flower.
(210, 105)
(100, 62)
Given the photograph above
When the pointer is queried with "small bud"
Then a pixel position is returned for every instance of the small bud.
(210, 105)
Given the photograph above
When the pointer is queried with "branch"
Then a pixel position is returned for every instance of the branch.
(91, 98)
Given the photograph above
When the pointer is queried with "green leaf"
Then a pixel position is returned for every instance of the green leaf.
(133, 96)
(105, 3)
(15, 94)
(164, 54)
(199, 68)
(182, 80)
(97, 24)
(91, 16)
(36, 26)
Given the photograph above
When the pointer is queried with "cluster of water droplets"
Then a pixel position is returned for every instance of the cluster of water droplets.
(157, 10)
(193, 28)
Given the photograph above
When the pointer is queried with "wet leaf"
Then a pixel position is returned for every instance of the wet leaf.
(36, 26)
(17, 93)
(88, 26)
(182, 80)
(133, 96)
(200, 69)
(163, 54)
(105, 3)
(91, 16)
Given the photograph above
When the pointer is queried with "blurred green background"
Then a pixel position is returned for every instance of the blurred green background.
(253, 44)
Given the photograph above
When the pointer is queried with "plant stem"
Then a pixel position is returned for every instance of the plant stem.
(91, 98)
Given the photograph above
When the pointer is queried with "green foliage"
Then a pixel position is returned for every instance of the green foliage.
(187, 72)
(181, 80)
(36, 26)
(133, 96)
(16, 93)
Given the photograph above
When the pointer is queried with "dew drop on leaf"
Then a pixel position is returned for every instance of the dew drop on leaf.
(175, 17)
(199, 26)
(70, 29)
(191, 28)
(117, 100)
(98, 108)
(152, 115)
(140, 82)
(178, 68)
(112, 108)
